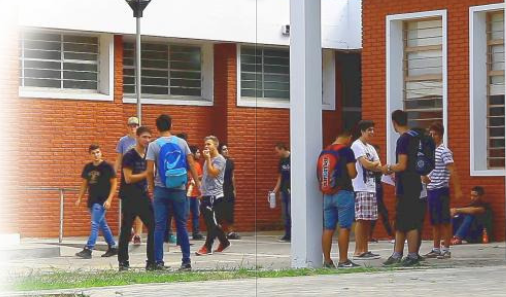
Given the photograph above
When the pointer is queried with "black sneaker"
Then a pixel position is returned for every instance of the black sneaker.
(420, 258)
(285, 238)
(150, 266)
(198, 236)
(85, 253)
(366, 256)
(432, 254)
(233, 235)
(124, 266)
(347, 264)
(160, 267)
(374, 255)
(110, 252)
(329, 265)
(392, 261)
(185, 267)
(408, 262)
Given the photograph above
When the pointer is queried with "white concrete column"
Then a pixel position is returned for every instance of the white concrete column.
(305, 131)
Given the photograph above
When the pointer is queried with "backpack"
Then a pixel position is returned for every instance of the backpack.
(171, 163)
(329, 169)
(426, 153)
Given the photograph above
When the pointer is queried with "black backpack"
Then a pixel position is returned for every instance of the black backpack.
(426, 154)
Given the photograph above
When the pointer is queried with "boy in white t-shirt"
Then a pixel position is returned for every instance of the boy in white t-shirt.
(364, 185)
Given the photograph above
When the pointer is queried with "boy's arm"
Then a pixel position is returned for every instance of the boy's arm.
(82, 190)
(454, 178)
(117, 164)
(193, 171)
(352, 169)
(131, 178)
(114, 186)
(278, 184)
(150, 174)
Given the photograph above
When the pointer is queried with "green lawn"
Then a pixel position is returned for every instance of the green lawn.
(89, 279)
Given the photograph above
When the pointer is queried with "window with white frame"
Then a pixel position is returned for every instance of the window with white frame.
(264, 77)
(495, 90)
(167, 69)
(423, 71)
(59, 61)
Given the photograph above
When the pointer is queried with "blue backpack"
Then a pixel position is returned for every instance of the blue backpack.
(172, 163)
(426, 153)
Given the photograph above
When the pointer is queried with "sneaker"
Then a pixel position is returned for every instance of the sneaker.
(420, 258)
(137, 240)
(203, 251)
(85, 253)
(408, 262)
(185, 267)
(132, 234)
(150, 266)
(392, 261)
(285, 239)
(160, 266)
(329, 265)
(374, 255)
(366, 256)
(198, 236)
(110, 252)
(445, 255)
(221, 248)
(172, 238)
(373, 240)
(347, 264)
(432, 254)
(233, 235)
(124, 266)
(456, 241)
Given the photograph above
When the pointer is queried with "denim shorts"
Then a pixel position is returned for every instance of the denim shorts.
(339, 207)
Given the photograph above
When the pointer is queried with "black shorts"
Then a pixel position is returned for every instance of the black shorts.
(439, 206)
(408, 212)
(225, 210)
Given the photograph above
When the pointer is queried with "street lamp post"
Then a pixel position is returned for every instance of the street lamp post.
(138, 7)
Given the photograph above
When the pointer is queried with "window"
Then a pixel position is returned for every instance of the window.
(416, 79)
(486, 89)
(264, 77)
(423, 71)
(495, 90)
(59, 61)
(167, 70)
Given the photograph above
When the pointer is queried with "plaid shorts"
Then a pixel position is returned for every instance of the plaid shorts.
(366, 206)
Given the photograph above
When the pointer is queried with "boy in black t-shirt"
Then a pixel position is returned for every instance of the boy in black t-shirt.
(135, 199)
(99, 178)
(283, 186)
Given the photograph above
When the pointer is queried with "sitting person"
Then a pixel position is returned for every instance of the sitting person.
(468, 222)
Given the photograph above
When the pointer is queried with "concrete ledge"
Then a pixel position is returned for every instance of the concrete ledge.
(29, 251)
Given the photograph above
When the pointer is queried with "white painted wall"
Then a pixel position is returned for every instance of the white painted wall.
(248, 21)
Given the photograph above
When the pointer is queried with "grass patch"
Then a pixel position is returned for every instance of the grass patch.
(92, 279)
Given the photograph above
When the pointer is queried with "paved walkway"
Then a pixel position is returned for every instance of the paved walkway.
(482, 281)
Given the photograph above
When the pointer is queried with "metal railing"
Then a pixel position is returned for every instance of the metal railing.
(62, 200)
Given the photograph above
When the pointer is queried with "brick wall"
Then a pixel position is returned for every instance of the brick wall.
(56, 134)
(374, 89)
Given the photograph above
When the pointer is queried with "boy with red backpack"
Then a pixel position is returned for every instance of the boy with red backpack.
(335, 170)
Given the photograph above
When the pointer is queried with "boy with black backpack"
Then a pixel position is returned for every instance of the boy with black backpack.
(335, 170)
(414, 158)
(173, 159)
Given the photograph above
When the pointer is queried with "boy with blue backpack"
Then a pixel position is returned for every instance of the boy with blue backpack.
(335, 170)
(173, 159)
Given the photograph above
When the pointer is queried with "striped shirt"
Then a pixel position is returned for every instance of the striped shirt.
(440, 176)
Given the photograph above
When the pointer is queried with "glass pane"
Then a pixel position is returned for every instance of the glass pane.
(424, 62)
(47, 83)
(31, 73)
(43, 55)
(80, 75)
(185, 92)
(70, 84)
(424, 33)
(42, 65)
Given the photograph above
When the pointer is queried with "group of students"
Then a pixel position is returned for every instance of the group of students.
(355, 193)
(169, 169)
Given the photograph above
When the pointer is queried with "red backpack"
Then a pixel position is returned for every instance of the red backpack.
(328, 169)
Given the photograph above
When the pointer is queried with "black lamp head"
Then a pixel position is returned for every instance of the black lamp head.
(138, 6)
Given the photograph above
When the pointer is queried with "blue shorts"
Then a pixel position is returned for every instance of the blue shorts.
(439, 206)
(340, 208)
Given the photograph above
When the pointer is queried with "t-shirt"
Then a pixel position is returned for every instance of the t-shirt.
(213, 186)
(440, 176)
(346, 156)
(365, 180)
(154, 151)
(196, 191)
(99, 181)
(284, 170)
(125, 143)
(228, 185)
(134, 161)
(409, 179)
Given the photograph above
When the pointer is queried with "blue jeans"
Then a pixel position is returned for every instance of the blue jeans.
(339, 207)
(166, 200)
(98, 221)
(462, 225)
(193, 208)
(287, 211)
